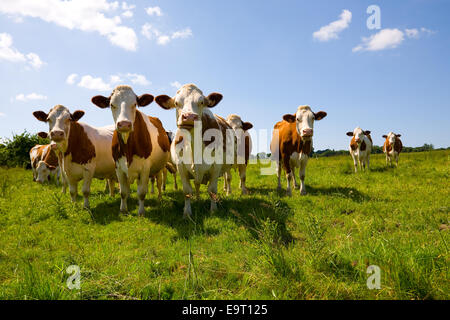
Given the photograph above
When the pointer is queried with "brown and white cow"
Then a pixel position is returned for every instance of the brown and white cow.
(360, 148)
(244, 148)
(199, 149)
(44, 163)
(292, 143)
(392, 147)
(85, 150)
(140, 146)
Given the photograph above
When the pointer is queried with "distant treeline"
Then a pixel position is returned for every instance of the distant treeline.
(14, 152)
(375, 150)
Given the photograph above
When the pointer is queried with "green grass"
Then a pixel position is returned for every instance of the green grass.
(261, 246)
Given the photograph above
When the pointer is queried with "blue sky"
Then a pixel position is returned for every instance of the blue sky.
(261, 55)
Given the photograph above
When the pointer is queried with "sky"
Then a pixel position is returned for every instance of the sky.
(266, 57)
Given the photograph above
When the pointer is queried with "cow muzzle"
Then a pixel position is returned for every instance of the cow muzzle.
(187, 120)
(57, 135)
(307, 133)
(124, 126)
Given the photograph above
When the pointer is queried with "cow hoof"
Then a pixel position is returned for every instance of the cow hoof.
(303, 193)
(245, 192)
(297, 187)
(187, 214)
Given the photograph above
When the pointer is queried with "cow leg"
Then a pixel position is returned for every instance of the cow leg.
(243, 176)
(368, 162)
(160, 179)
(86, 189)
(187, 190)
(302, 173)
(124, 186)
(287, 166)
(227, 178)
(175, 181)
(279, 175)
(355, 163)
(111, 184)
(34, 174)
(106, 185)
(296, 185)
(73, 189)
(164, 178)
(142, 190)
(152, 180)
(212, 190)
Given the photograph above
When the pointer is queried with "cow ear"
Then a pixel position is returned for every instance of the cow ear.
(77, 115)
(101, 101)
(398, 135)
(385, 136)
(43, 135)
(367, 132)
(144, 100)
(320, 115)
(350, 134)
(246, 126)
(40, 115)
(213, 99)
(289, 118)
(165, 102)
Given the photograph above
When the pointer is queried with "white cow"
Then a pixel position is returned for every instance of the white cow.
(85, 150)
(244, 148)
(140, 146)
(199, 133)
(360, 148)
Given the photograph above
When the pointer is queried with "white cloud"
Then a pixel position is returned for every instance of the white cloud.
(138, 79)
(176, 84)
(127, 14)
(186, 33)
(151, 33)
(92, 83)
(32, 96)
(82, 15)
(98, 84)
(154, 11)
(332, 30)
(128, 10)
(2, 114)
(384, 39)
(71, 78)
(11, 54)
(412, 33)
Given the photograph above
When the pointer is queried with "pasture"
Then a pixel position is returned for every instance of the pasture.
(260, 246)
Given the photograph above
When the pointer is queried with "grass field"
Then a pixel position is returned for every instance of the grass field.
(261, 246)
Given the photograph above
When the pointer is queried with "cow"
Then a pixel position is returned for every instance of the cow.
(392, 147)
(292, 144)
(360, 148)
(170, 167)
(140, 146)
(244, 141)
(85, 151)
(44, 163)
(199, 132)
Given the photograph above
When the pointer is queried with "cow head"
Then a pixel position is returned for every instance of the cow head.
(392, 137)
(235, 122)
(58, 119)
(189, 103)
(43, 171)
(358, 134)
(123, 102)
(304, 119)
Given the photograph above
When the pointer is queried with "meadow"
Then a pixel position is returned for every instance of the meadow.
(260, 246)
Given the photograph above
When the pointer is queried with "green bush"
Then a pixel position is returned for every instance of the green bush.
(15, 152)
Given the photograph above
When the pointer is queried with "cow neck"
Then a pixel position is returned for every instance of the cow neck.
(138, 143)
(79, 145)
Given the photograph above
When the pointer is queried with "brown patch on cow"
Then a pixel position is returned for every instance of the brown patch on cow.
(370, 138)
(363, 146)
(179, 140)
(387, 146)
(398, 147)
(353, 144)
(209, 123)
(139, 142)
(50, 157)
(79, 145)
(163, 139)
(289, 142)
(39, 155)
(223, 124)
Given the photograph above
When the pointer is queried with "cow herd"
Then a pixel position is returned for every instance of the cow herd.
(204, 147)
